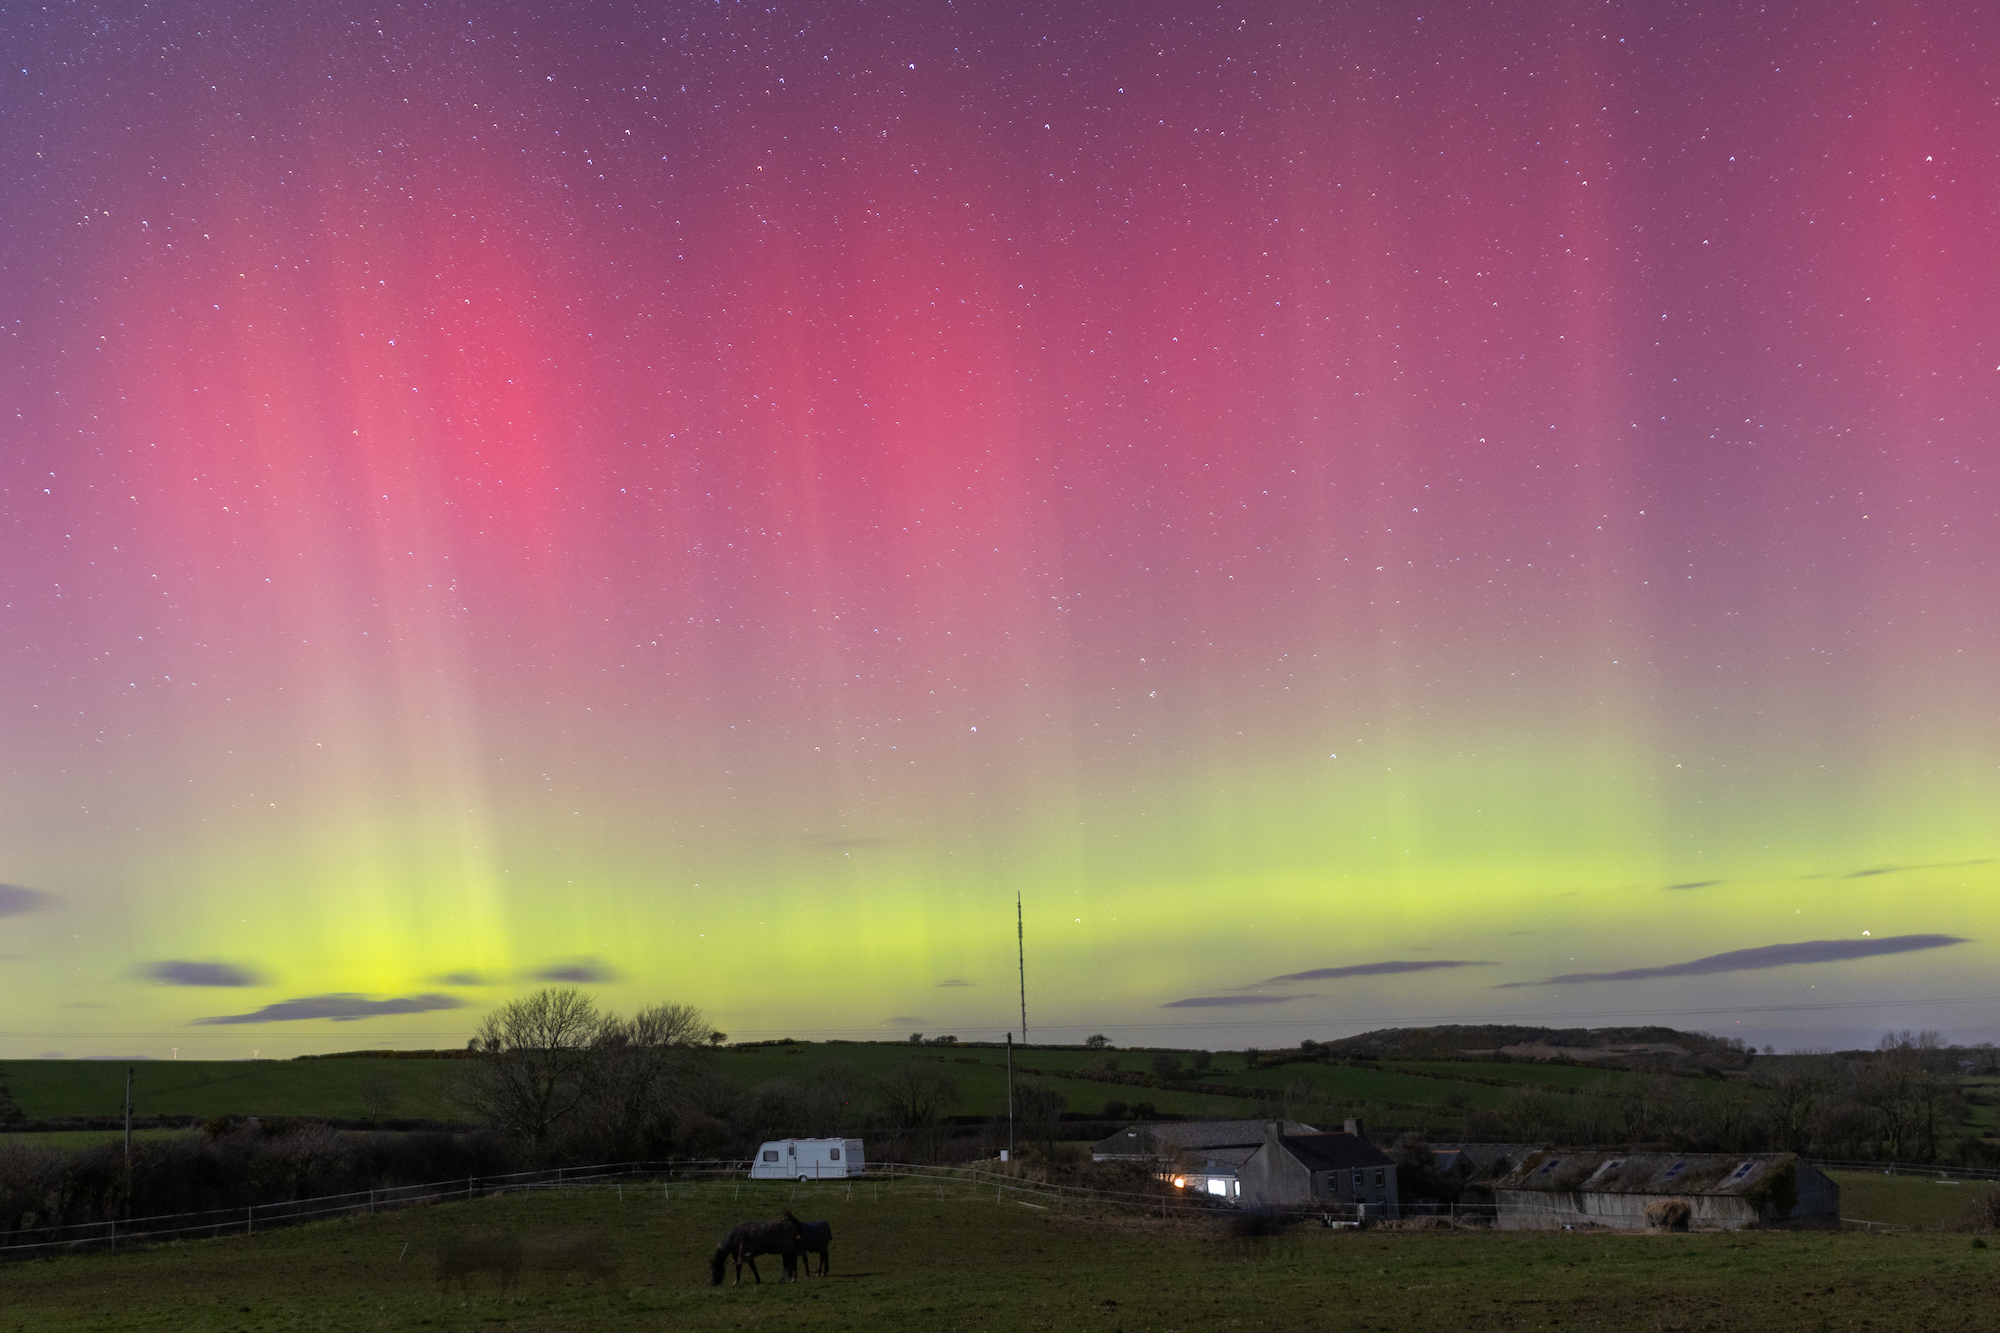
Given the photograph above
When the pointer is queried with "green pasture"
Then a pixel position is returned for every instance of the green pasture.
(81, 1138)
(1560, 1077)
(915, 1256)
(980, 1075)
(1905, 1201)
(414, 1089)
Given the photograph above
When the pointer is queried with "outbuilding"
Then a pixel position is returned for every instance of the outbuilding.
(1558, 1187)
(808, 1159)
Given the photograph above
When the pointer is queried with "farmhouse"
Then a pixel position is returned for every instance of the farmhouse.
(1200, 1155)
(1314, 1170)
(1562, 1186)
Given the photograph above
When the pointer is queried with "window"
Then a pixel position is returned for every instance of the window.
(833, 1154)
(770, 1154)
(1381, 1177)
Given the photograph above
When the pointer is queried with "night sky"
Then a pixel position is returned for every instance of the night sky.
(1359, 514)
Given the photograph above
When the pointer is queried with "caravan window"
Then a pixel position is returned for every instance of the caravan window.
(833, 1154)
(770, 1154)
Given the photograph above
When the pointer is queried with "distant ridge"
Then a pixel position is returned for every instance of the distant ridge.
(1650, 1046)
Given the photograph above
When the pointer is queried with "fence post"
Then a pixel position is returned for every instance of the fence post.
(250, 1220)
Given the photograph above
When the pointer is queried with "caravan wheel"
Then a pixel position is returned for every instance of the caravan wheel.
(802, 1177)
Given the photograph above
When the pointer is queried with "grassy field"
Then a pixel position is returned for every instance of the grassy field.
(1431, 1094)
(909, 1258)
(83, 1138)
(1904, 1201)
(55, 1089)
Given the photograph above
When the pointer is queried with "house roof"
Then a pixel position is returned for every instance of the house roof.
(1598, 1171)
(1152, 1140)
(1334, 1152)
(1488, 1156)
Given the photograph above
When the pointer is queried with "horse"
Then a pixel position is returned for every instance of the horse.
(814, 1238)
(779, 1236)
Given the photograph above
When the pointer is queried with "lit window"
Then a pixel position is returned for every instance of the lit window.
(1218, 1186)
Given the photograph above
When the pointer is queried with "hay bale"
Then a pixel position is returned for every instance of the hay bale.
(1669, 1215)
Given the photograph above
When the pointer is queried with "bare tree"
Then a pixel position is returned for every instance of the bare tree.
(1796, 1094)
(540, 1061)
(644, 1067)
(914, 1095)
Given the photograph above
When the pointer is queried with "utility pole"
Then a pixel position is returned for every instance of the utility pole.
(1010, 1096)
(128, 1140)
(1021, 957)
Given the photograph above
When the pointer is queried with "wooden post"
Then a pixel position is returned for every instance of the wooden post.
(128, 1144)
(1010, 1093)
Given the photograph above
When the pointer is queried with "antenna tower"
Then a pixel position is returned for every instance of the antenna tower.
(1021, 957)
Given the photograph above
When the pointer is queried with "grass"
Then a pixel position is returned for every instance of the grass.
(1904, 1201)
(81, 1138)
(1522, 1072)
(912, 1260)
(56, 1089)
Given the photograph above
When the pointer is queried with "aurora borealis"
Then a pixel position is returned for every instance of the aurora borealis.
(1352, 511)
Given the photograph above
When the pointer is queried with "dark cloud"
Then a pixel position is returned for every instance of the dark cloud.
(343, 1007)
(467, 977)
(1694, 884)
(1376, 969)
(955, 981)
(1230, 1001)
(17, 901)
(580, 970)
(1933, 865)
(172, 972)
(1751, 960)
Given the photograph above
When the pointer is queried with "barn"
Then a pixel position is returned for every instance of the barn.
(1557, 1187)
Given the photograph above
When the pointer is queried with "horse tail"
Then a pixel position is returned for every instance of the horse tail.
(717, 1264)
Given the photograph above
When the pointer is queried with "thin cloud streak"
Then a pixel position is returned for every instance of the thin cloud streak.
(178, 972)
(1751, 960)
(1375, 969)
(16, 900)
(1230, 1001)
(341, 1007)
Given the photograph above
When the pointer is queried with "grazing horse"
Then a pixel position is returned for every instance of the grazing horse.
(779, 1236)
(814, 1238)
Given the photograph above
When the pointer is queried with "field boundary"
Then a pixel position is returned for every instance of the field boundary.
(108, 1236)
(1907, 1169)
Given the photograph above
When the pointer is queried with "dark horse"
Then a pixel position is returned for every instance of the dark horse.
(780, 1236)
(814, 1238)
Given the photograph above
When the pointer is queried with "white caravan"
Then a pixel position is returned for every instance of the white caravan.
(808, 1159)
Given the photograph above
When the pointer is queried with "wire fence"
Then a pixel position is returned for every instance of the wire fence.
(950, 1182)
(1932, 1170)
(963, 1182)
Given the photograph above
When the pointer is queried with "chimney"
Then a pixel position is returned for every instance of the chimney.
(1354, 1126)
